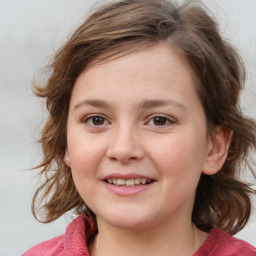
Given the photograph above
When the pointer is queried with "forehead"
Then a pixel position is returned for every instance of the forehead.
(154, 55)
(156, 71)
(127, 48)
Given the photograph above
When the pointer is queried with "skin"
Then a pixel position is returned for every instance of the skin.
(140, 115)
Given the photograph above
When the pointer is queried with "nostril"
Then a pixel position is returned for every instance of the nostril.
(124, 147)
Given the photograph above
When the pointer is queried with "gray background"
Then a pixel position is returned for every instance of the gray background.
(30, 32)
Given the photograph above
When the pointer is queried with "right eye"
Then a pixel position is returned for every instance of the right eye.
(96, 120)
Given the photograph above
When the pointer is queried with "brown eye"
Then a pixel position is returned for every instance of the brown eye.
(96, 121)
(159, 121)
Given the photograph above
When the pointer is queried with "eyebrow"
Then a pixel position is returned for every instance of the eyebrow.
(159, 103)
(146, 104)
(93, 103)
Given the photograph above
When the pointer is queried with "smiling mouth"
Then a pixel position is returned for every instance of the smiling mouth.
(128, 182)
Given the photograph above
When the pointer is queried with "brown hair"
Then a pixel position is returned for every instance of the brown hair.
(124, 26)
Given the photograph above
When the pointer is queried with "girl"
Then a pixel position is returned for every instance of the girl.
(145, 139)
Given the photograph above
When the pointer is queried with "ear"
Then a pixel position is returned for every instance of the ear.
(67, 158)
(217, 150)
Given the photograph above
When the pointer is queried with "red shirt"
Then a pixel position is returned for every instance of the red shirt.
(220, 243)
(74, 242)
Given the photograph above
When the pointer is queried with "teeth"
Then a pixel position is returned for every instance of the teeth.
(129, 182)
(137, 181)
(120, 182)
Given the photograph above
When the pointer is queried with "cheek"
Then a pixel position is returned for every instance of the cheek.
(181, 157)
(85, 156)
(83, 148)
(85, 160)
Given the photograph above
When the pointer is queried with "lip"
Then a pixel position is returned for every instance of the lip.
(127, 190)
(127, 176)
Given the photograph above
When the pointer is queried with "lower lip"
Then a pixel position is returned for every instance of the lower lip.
(127, 191)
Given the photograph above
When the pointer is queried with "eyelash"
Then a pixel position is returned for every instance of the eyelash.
(89, 120)
(167, 120)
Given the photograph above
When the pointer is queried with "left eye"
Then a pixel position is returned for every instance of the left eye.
(96, 120)
(160, 121)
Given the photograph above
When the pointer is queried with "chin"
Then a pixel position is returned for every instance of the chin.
(131, 225)
(128, 221)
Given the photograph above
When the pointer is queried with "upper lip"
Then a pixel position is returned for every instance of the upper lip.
(127, 176)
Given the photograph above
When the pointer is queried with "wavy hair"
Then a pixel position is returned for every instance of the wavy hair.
(120, 27)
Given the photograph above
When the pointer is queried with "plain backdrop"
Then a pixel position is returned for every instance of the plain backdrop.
(30, 32)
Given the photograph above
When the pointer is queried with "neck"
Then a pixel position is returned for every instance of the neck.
(182, 240)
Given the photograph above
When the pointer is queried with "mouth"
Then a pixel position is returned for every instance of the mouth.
(128, 182)
(131, 184)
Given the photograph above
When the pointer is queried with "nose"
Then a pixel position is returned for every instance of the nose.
(125, 145)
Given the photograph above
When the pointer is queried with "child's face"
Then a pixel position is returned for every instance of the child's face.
(134, 119)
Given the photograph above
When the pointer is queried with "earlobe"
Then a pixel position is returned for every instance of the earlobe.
(67, 158)
(218, 150)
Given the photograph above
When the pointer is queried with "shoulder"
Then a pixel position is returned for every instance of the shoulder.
(220, 243)
(53, 246)
(73, 242)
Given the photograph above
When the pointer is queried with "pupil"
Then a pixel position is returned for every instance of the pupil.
(98, 120)
(159, 120)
